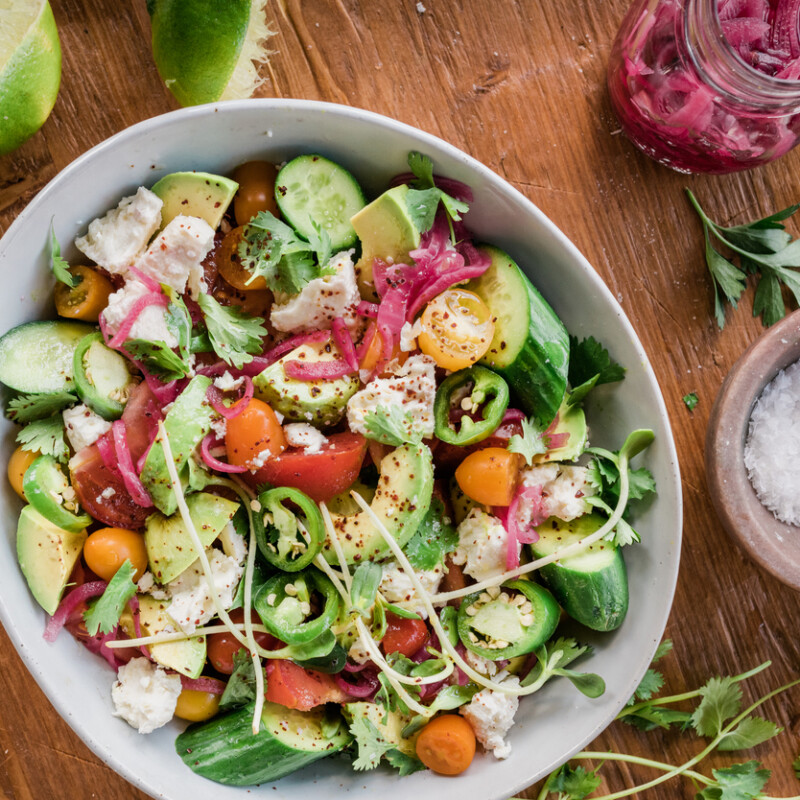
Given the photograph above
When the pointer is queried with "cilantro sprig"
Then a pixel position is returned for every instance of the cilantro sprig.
(59, 265)
(765, 250)
(45, 436)
(235, 336)
(424, 196)
(30, 407)
(389, 425)
(590, 365)
(104, 615)
(531, 442)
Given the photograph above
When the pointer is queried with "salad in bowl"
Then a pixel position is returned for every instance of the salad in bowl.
(308, 465)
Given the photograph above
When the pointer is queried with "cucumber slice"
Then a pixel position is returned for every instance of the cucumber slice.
(36, 357)
(530, 348)
(101, 375)
(591, 587)
(311, 190)
(225, 750)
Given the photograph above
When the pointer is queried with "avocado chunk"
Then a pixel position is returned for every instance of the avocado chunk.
(390, 724)
(570, 420)
(169, 547)
(401, 502)
(320, 403)
(386, 231)
(187, 656)
(195, 194)
(46, 556)
(187, 422)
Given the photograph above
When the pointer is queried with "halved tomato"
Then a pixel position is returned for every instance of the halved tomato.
(320, 475)
(303, 689)
(404, 636)
(141, 415)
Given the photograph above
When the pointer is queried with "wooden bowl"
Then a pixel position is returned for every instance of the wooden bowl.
(775, 545)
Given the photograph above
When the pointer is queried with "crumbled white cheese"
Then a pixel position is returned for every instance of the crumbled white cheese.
(408, 335)
(491, 715)
(145, 695)
(482, 543)
(108, 492)
(192, 604)
(564, 491)
(176, 255)
(115, 241)
(147, 585)
(220, 427)
(412, 388)
(357, 654)
(260, 459)
(481, 664)
(233, 544)
(301, 434)
(322, 300)
(83, 427)
(227, 383)
(151, 324)
(397, 588)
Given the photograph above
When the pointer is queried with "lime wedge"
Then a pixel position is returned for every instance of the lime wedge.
(30, 69)
(206, 50)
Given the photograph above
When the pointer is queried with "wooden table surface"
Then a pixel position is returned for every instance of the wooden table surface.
(520, 86)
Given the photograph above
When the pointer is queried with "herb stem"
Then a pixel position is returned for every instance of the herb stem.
(644, 762)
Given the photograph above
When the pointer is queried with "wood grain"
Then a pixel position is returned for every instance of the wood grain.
(521, 86)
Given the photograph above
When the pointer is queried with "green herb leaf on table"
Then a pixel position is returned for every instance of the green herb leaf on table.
(750, 732)
(573, 783)
(690, 400)
(434, 538)
(796, 767)
(722, 698)
(531, 442)
(104, 615)
(159, 359)
(46, 436)
(58, 265)
(235, 336)
(737, 782)
(391, 426)
(30, 407)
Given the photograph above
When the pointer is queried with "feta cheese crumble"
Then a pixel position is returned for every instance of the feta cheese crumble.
(145, 695)
(397, 588)
(151, 324)
(482, 543)
(83, 427)
(564, 491)
(115, 240)
(227, 383)
(491, 715)
(301, 434)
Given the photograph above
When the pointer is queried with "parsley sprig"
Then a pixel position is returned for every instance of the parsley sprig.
(424, 196)
(764, 249)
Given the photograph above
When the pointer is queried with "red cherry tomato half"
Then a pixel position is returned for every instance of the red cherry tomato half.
(303, 689)
(223, 646)
(404, 636)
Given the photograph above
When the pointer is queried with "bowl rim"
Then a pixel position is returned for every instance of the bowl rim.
(60, 702)
(773, 544)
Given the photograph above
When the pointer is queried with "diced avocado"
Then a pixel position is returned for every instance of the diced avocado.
(195, 194)
(169, 547)
(187, 422)
(401, 501)
(461, 504)
(570, 420)
(390, 724)
(187, 656)
(46, 556)
(386, 231)
(320, 403)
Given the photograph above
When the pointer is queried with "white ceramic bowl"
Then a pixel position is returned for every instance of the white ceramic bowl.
(559, 720)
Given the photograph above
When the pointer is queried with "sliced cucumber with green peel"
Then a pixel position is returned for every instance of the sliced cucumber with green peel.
(311, 190)
(591, 587)
(102, 378)
(530, 348)
(225, 750)
(36, 357)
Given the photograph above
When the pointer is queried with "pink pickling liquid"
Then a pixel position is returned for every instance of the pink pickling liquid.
(666, 107)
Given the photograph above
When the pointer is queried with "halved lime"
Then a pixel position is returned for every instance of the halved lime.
(30, 69)
(205, 49)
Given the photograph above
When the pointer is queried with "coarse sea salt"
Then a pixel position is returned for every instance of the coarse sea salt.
(772, 450)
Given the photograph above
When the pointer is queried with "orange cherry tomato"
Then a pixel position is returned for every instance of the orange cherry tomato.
(17, 467)
(196, 706)
(252, 434)
(490, 476)
(457, 329)
(373, 352)
(404, 636)
(87, 298)
(107, 549)
(446, 744)
(256, 193)
(230, 265)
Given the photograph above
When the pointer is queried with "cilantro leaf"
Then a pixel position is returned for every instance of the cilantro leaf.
(46, 436)
(104, 615)
(422, 205)
(578, 394)
(320, 243)
(751, 731)
(722, 698)
(390, 426)
(796, 767)
(159, 359)
(603, 475)
(434, 538)
(178, 319)
(737, 782)
(422, 200)
(241, 686)
(587, 359)
(651, 684)
(372, 746)
(662, 650)
(690, 400)
(403, 763)
(29, 407)
(648, 718)
(528, 444)
(573, 783)
(422, 168)
(234, 335)
(59, 266)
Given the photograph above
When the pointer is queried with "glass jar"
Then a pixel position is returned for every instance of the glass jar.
(708, 85)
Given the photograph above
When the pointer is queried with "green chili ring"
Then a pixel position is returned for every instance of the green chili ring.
(485, 384)
(111, 371)
(496, 620)
(279, 604)
(42, 483)
(280, 552)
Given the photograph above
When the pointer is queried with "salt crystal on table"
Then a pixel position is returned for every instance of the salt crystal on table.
(772, 451)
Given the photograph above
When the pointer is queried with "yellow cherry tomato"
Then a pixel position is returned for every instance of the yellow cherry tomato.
(457, 329)
(87, 298)
(196, 706)
(107, 549)
(490, 476)
(230, 265)
(17, 467)
(256, 193)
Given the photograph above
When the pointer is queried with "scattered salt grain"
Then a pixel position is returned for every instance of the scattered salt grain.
(772, 450)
